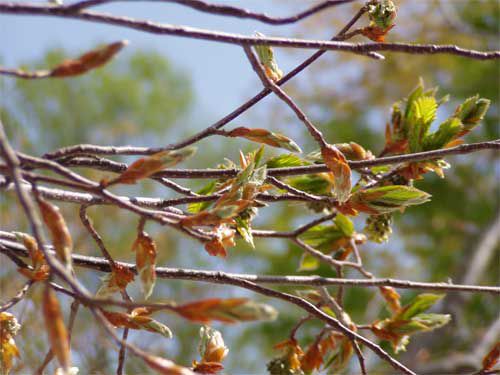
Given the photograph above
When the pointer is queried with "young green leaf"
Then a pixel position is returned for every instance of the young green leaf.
(418, 305)
(387, 199)
(285, 160)
(267, 137)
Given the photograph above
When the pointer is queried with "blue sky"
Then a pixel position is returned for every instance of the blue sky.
(220, 73)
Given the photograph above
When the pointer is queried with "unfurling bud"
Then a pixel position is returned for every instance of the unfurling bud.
(387, 199)
(266, 58)
(267, 137)
(212, 347)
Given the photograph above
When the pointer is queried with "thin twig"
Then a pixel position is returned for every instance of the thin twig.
(243, 40)
(17, 298)
(224, 10)
(218, 277)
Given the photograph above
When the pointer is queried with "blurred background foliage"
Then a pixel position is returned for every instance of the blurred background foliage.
(142, 99)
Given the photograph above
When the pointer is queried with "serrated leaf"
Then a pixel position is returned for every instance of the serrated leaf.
(200, 206)
(387, 199)
(418, 305)
(446, 132)
(285, 160)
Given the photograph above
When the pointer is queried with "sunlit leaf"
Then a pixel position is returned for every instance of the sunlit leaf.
(9, 327)
(138, 319)
(59, 232)
(115, 281)
(266, 58)
(88, 61)
(285, 160)
(145, 261)
(56, 330)
(387, 199)
(337, 164)
(267, 137)
(149, 165)
(229, 310)
(200, 206)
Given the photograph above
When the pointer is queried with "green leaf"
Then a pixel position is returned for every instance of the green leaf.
(158, 327)
(314, 184)
(321, 236)
(344, 224)
(423, 323)
(244, 229)
(414, 95)
(200, 206)
(308, 263)
(285, 160)
(447, 131)
(418, 305)
(472, 111)
(387, 199)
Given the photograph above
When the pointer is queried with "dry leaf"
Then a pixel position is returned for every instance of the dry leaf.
(145, 261)
(59, 233)
(88, 61)
(56, 330)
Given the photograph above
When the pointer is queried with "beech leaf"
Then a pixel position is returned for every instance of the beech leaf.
(88, 61)
(56, 330)
(267, 137)
(145, 261)
(337, 164)
(149, 165)
(229, 310)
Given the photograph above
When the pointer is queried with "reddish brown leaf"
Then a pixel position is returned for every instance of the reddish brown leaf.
(208, 367)
(88, 61)
(337, 164)
(376, 33)
(56, 330)
(59, 233)
(145, 261)
(224, 238)
(491, 359)
(229, 310)
(149, 165)
(392, 298)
